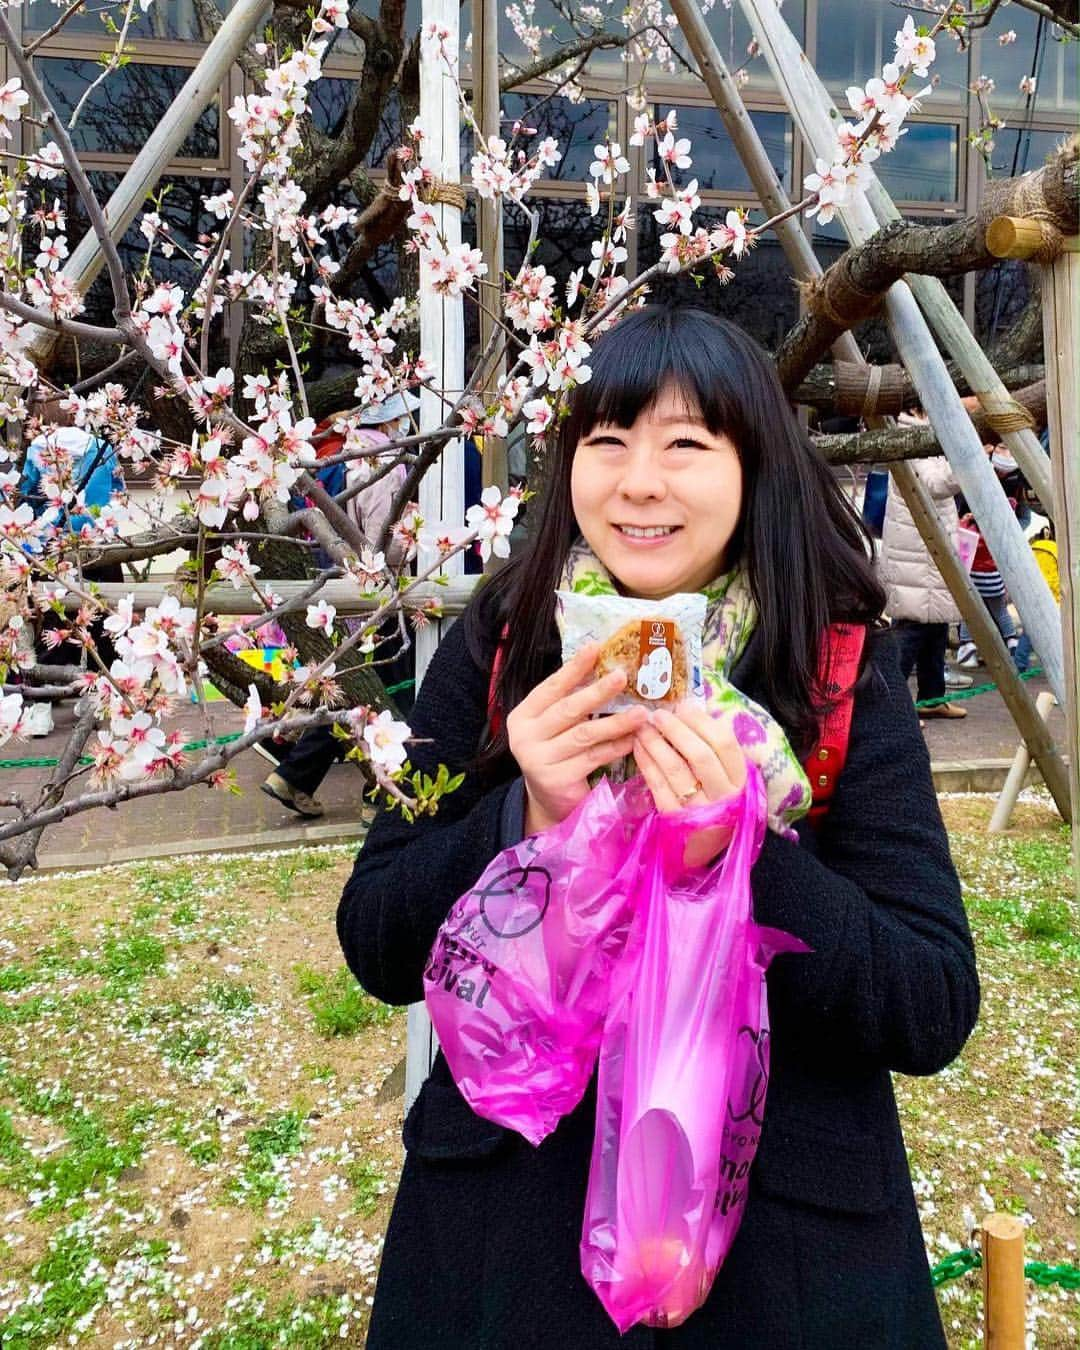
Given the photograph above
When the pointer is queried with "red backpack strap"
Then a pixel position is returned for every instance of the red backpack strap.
(838, 669)
(495, 719)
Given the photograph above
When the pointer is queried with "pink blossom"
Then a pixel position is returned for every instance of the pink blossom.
(321, 615)
(914, 49)
(385, 739)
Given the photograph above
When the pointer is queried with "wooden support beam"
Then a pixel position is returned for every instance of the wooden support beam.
(1017, 237)
(1061, 338)
(1018, 771)
(816, 116)
(984, 631)
(936, 303)
(344, 595)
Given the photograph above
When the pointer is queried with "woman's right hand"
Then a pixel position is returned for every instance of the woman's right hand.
(558, 744)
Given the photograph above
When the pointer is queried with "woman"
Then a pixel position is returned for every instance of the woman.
(918, 600)
(684, 427)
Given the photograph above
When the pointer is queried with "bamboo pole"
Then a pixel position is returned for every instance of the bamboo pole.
(1018, 771)
(816, 115)
(947, 321)
(1061, 340)
(1003, 1282)
(805, 265)
(489, 234)
(149, 164)
(442, 332)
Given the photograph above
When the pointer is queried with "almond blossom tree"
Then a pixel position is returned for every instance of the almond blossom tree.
(225, 493)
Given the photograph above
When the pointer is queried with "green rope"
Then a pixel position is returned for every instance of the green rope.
(954, 1265)
(191, 745)
(88, 759)
(975, 690)
(957, 1264)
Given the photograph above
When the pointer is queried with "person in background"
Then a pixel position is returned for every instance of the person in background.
(919, 603)
(302, 766)
(985, 575)
(1046, 555)
(97, 479)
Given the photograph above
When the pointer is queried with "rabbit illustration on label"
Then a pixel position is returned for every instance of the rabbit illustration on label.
(654, 674)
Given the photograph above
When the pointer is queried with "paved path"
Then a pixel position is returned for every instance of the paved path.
(202, 819)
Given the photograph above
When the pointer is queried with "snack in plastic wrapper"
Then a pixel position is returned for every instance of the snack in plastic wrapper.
(657, 643)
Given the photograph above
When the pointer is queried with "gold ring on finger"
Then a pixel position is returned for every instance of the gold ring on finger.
(685, 797)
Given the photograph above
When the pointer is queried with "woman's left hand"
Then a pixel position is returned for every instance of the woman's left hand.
(688, 758)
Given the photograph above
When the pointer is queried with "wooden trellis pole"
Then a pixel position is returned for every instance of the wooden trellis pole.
(442, 334)
(1061, 340)
(805, 265)
(816, 116)
(1003, 1282)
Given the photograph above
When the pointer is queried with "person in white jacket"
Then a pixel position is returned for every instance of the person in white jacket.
(920, 604)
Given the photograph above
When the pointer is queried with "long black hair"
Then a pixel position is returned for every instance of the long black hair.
(804, 548)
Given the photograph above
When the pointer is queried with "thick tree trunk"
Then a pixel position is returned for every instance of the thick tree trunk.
(851, 290)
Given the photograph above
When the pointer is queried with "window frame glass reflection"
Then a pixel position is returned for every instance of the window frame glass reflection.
(47, 61)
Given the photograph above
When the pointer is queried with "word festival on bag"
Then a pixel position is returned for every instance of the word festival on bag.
(449, 952)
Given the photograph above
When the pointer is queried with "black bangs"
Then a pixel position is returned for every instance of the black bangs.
(806, 552)
(653, 350)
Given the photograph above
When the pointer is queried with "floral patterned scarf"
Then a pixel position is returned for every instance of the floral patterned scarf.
(730, 620)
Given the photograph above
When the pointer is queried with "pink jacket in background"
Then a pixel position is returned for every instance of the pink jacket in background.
(371, 507)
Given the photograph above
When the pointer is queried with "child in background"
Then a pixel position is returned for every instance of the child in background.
(985, 575)
(1046, 555)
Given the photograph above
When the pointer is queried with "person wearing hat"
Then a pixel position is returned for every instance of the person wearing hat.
(302, 766)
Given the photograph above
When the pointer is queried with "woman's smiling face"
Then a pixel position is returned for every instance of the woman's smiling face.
(658, 502)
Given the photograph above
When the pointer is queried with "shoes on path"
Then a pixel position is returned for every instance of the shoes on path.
(955, 679)
(39, 719)
(967, 655)
(275, 786)
(951, 710)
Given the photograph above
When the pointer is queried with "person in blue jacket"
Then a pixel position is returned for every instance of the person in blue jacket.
(96, 478)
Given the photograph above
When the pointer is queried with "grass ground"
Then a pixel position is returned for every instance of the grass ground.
(200, 1113)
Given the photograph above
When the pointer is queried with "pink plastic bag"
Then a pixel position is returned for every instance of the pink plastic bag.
(683, 1071)
(967, 542)
(518, 981)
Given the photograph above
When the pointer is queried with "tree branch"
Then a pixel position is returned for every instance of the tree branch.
(892, 444)
(851, 289)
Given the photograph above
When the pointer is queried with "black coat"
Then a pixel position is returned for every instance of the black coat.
(482, 1247)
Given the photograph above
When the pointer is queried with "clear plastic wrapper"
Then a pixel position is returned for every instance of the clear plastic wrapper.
(657, 643)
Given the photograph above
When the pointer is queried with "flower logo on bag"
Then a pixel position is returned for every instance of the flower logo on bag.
(756, 1083)
(515, 901)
